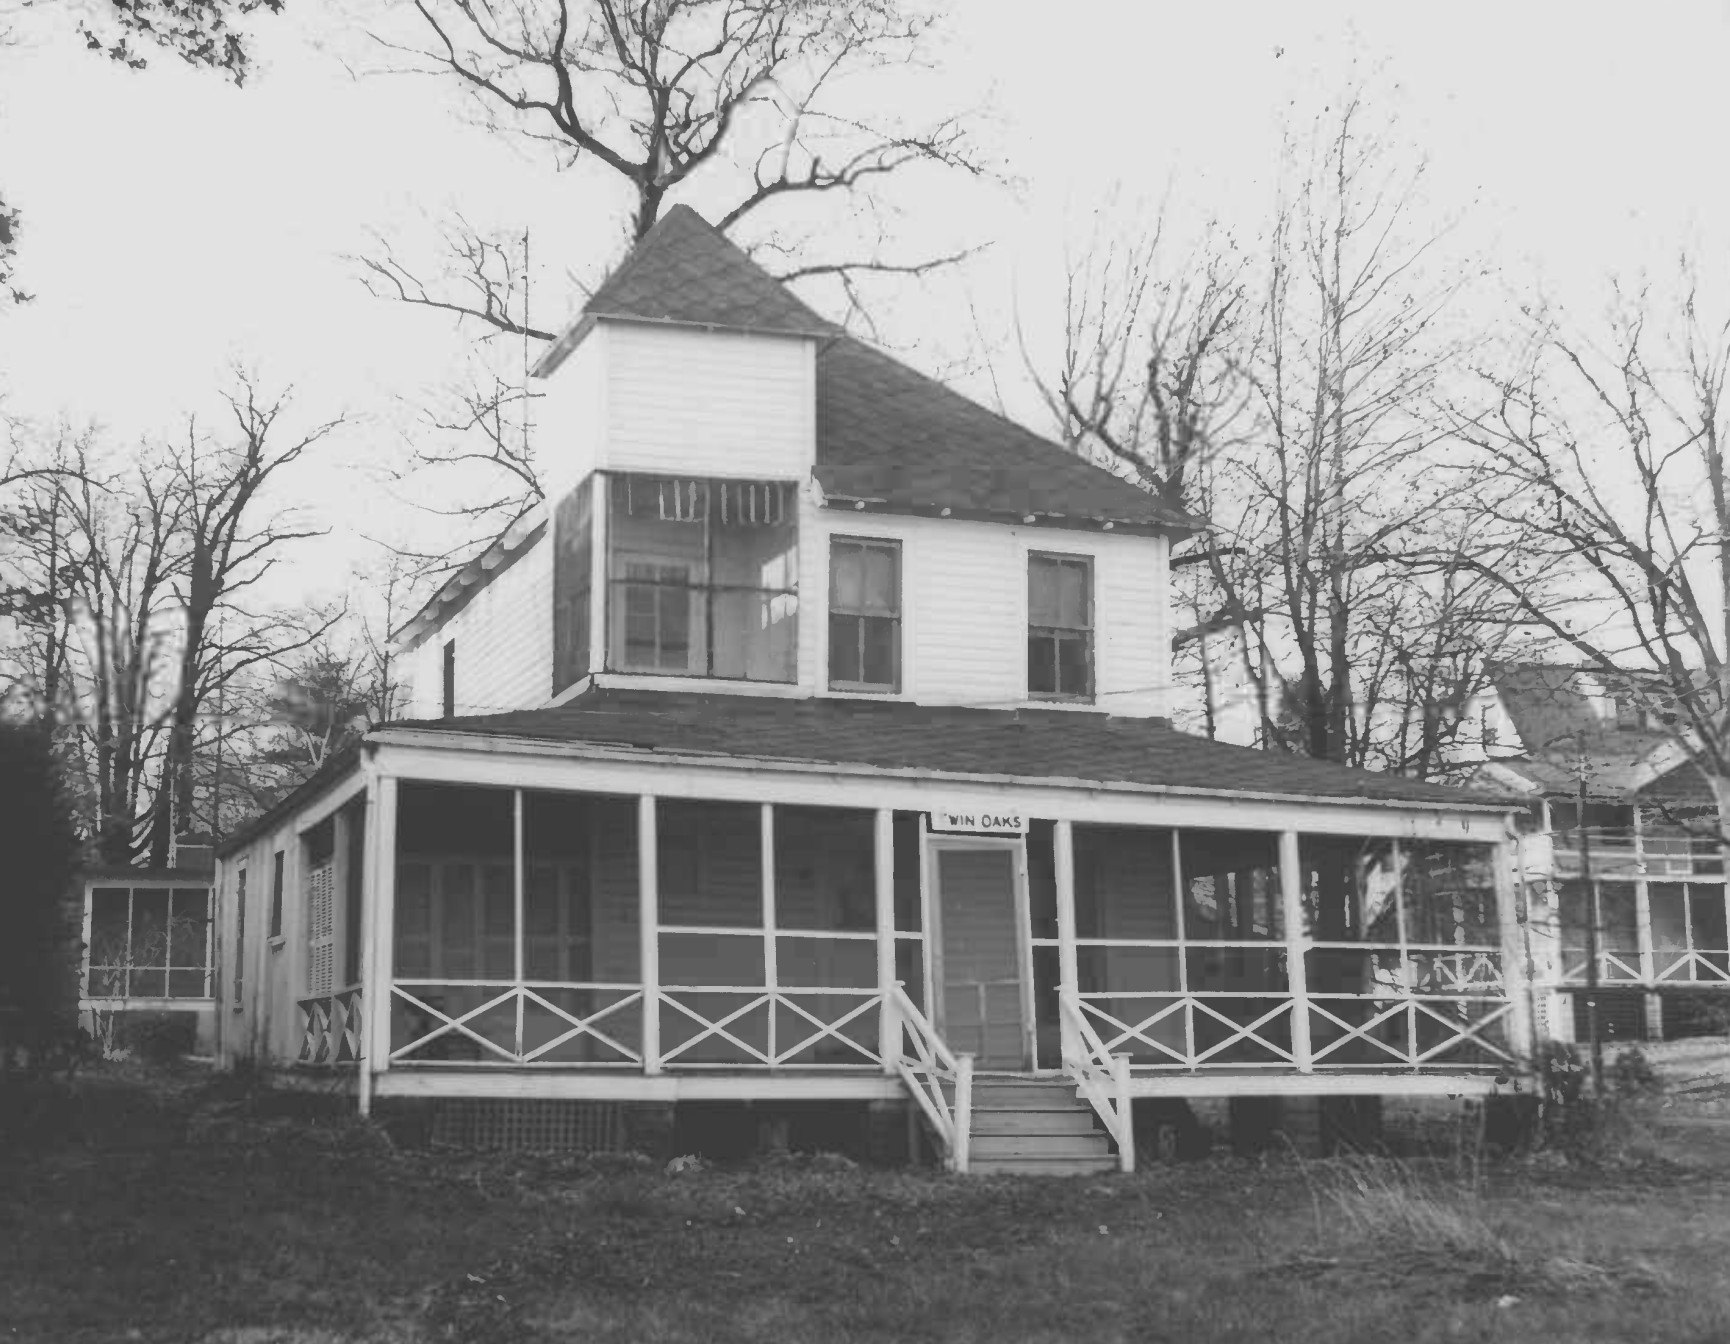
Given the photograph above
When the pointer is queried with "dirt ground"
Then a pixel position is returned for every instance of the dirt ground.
(182, 1209)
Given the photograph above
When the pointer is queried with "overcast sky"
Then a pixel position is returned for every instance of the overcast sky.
(173, 223)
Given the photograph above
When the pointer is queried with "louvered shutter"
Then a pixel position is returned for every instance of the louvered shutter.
(321, 928)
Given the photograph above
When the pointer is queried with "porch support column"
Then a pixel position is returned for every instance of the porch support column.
(648, 929)
(1068, 972)
(1514, 981)
(1291, 890)
(889, 1020)
(377, 931)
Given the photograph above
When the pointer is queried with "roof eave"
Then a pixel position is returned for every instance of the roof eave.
(482, 741)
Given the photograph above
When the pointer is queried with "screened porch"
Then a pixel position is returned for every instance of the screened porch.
(534, 930)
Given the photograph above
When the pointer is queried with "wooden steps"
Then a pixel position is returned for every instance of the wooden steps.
(1035, 1127)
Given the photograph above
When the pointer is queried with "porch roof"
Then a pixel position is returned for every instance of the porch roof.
(1029, 744)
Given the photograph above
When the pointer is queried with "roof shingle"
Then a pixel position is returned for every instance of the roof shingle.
(1029, 744)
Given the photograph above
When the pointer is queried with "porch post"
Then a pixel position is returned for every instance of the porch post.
(1291, 885)
(377, 932)
(1514, 982)
(889, 1021)
(1068, 973)
(648, 930)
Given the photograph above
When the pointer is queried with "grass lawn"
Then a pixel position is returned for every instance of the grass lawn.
(146, 1221)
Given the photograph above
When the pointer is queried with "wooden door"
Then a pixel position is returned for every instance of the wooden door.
(983, 995)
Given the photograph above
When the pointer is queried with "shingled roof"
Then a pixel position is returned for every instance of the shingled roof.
(887, 436)
(1025, 744)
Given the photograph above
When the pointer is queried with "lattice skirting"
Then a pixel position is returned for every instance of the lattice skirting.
(531, 1125)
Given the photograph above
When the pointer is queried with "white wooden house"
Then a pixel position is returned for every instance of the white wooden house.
(810, 746)
(1646, 832)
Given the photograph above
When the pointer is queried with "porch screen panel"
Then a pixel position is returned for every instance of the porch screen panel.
(354, 889)
(1618, 929)
(1230, 893)
(1125, 892)
(455, 917)
(710, 863)
(1354, 973)
(826, 921)
(189, 948)
(580, 949)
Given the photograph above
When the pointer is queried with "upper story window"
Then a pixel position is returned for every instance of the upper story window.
(703, 578)
(1060, 627)
(864, 614)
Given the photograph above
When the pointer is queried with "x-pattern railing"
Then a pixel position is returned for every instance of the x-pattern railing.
(1694, 962)
(1101, 1077)
(331, 1027)
(1610, 967)
(772, 1054)
(1460, 1030)
(1461, 972)
(517, 997)
(1119, 1033)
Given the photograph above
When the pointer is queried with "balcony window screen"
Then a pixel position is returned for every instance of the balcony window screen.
(1060, 626)
(703, 578)
(864, 614)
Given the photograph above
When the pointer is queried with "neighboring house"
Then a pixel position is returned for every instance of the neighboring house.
(148, 953)
(810, 746)
(1648, 830)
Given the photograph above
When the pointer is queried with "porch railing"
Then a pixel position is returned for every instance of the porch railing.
(331, 1027)
(513, 1002)
(933, 1075)
(779, 1009)
(1101, 1077)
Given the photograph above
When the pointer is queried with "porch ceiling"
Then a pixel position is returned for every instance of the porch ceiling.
(1030, 744)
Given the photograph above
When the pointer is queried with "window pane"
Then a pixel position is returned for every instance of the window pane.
(880, 650)
(844, 662)
(1072, 595)
(1042, 591)
(881, 589)
(846, 576)
(1041, 665)
(108, 933)
(1073, 667)
(1706, 907)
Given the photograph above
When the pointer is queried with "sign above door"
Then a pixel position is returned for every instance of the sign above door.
(986, 818)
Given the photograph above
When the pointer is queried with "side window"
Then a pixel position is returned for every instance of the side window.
(1060, 627)
(239, 937)
(276, 896)
(864, 614)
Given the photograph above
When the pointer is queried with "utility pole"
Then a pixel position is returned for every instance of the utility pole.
(1592, 917)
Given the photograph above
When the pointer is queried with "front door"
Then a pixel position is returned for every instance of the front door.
(983, 991)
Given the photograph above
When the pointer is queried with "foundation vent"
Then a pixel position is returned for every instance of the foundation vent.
(531, 1126)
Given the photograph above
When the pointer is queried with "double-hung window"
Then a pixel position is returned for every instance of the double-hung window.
(1060, 627)
(864, 614)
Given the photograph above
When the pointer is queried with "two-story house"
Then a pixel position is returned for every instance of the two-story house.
(1620, 837)
(810, 746)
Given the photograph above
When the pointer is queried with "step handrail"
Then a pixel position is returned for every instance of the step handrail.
(1101, 1077)
(933, 1064)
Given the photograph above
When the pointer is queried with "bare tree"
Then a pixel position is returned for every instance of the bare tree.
(1607, 454)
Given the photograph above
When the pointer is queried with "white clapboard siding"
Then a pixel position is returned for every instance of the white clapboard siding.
(504, 638)
(680, 399)
(568, 416)
(964, 608)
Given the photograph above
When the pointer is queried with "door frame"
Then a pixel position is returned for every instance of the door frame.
(935, 842)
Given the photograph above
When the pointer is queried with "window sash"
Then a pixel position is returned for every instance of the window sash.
(1060, 627)
(862, 621)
